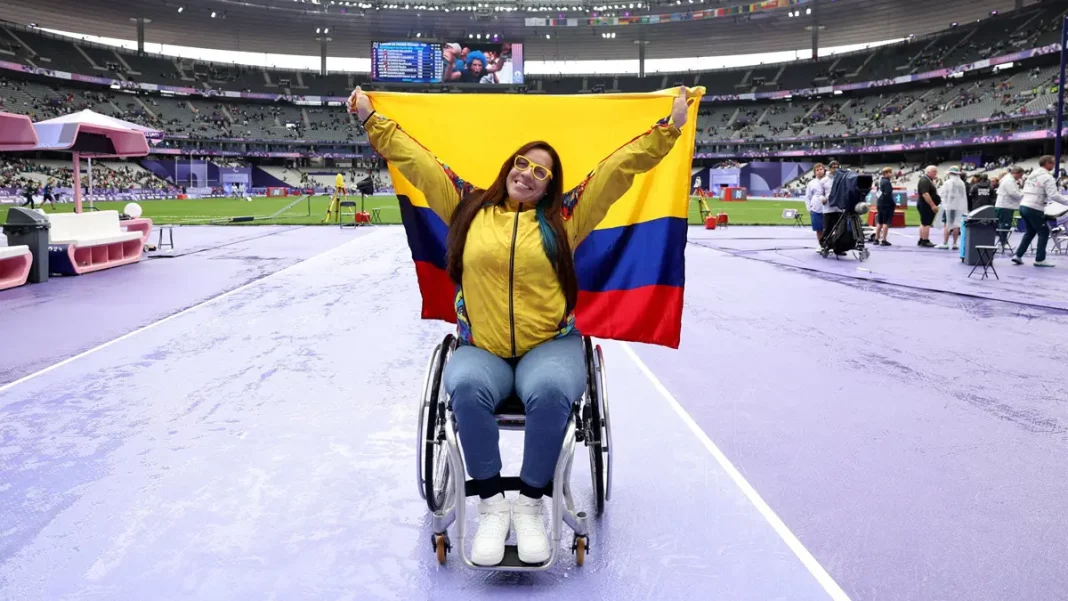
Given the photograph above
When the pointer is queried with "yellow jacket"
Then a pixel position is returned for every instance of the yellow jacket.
(511, 300)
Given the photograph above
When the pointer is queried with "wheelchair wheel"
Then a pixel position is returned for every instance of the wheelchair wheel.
(596, 430)
(607, 439)
(433, 465)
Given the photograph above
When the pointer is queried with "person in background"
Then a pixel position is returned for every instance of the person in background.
(27, 192)
(981, 193)
(884, 205)
(339, 185)
(831, 214)
(1040, 189)
(1008, 201)
(927, 204)
(816, 198)
(954, 203)
(46, 194)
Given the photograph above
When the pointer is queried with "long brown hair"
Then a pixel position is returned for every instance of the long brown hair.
(551, 222)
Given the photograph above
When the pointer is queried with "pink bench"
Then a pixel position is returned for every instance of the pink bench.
(85, 242)
(14, 266)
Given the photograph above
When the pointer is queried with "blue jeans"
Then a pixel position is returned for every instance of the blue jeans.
(548, 379)
(1035, 224)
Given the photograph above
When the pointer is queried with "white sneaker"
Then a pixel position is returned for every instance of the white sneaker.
(494, 519)
(943, 246)
(1045, 263)
(956, 247)
(530, 535)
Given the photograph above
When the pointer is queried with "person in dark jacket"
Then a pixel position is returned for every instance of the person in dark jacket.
(885, 207)
(981, 193)
(27, 192)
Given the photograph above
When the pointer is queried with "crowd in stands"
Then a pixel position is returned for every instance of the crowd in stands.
(19, 173)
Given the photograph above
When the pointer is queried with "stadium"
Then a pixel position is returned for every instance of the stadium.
(233, 318)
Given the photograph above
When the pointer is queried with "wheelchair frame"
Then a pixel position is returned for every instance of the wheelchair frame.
(848, 219)
(441, 474)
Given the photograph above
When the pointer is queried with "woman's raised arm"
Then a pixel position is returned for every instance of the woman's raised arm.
(587, 204)
(442, 188)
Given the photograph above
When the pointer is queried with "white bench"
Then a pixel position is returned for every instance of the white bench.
(14, 266)
(83, 242)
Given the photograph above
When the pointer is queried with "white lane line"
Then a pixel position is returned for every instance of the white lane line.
(747, 489)
(211, 300)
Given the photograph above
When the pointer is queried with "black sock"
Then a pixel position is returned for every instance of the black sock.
(490, 487)
(531, 492)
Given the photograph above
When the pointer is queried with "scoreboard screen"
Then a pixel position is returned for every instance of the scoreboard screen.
(406, 62)
(434, 62)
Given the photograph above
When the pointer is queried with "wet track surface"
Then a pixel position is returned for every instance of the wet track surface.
(261, 445)
(72, 314)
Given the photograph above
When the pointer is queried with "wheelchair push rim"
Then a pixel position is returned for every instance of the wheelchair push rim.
(597, 442)
(420, 430)
(607, 440)
(433, 466)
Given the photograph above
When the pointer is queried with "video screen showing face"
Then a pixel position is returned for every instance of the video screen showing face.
(482, 63)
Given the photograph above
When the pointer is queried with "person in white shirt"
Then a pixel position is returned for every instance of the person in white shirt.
(954, 196)
(815, 198)
(1008, 201)
(1040, 189)
(831, 214)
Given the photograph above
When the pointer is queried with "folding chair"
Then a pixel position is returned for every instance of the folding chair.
(1058, 238)
(1005, 244)
(986, 260)
(341, 213)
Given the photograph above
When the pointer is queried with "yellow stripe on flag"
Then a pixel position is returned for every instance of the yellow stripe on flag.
(475, 133)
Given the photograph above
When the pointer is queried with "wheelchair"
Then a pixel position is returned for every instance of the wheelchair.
(848, 225)
(441, 473)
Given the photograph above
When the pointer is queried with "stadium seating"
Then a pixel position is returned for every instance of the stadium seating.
(1018, 98)
(14, 266)
(86, 242)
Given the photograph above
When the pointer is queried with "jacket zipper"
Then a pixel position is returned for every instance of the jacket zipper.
(511, 282)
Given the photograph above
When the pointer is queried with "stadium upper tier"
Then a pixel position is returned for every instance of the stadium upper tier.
(1015, 31)
(682, 28)
(981, 104)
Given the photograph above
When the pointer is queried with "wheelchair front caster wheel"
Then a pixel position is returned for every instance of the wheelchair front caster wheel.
(578, 547)
(441, 546)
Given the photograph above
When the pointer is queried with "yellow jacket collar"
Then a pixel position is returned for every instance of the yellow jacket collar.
(515, 205)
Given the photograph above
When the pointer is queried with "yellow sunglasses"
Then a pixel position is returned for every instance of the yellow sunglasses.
(540, 172)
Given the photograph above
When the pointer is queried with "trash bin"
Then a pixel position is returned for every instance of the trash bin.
(979, 228)
(30, 228)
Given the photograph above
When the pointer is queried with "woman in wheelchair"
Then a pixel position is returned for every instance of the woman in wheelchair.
(510, 252)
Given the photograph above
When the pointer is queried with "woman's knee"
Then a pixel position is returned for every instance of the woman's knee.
(553, 378)
(476, 380)
(548, 393)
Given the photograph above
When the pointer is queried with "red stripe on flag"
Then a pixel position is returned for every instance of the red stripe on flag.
(650, 314)
(438, 292)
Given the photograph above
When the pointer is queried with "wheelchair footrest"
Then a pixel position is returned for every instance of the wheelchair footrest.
(511, 483)
(511, 559)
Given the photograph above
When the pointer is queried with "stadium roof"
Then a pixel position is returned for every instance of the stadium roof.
(289, 26)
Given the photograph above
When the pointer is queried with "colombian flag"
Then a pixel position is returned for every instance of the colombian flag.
(630, 268)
